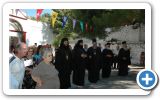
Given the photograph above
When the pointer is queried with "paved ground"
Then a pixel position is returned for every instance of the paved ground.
(115, 81)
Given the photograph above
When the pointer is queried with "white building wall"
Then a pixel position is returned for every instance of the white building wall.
(36, 32)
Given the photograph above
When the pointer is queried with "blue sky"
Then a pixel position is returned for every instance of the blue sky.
(32, 12)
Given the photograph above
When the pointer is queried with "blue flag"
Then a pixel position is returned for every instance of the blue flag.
(64, 21)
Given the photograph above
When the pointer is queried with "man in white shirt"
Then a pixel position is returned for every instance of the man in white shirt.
(16, 67)
(11, 51)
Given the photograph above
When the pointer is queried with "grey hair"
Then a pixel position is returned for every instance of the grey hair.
(45, 51)
(18, 47)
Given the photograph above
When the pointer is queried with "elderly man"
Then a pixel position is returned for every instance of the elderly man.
(16, 66)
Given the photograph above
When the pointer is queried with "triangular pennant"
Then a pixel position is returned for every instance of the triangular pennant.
(64, 21)
(86, 26)
(39, 11)
(54, 16)
(74, 23)
(17, 11)
(81, 24)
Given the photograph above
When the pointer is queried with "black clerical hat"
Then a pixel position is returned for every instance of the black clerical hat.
(108, 43)
(124, 42)
(94, 40)
(65, 39)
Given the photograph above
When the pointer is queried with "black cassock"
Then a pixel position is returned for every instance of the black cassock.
(107, 55)
(79, 66)
(94, 64)
(63, 63)
(123, 61)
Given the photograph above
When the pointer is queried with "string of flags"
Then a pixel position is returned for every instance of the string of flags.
(64, 21)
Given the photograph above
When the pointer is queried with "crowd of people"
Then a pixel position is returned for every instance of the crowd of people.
(37, 67)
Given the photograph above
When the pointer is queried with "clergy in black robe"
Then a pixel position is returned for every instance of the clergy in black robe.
(107, 56)
(79, 64)
(123, 60)
(63, 63)
(94, 62)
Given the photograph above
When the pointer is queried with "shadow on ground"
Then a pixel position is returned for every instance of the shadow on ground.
(114, 81)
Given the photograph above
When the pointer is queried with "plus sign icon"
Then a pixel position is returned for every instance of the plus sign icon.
(147, 79)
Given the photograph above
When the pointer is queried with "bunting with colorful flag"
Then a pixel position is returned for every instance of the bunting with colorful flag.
(74, 23)
(64, 21)
(54, 16)
(39, 11)
(81, 24)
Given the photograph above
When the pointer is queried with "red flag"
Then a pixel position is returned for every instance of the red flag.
(91, 28)
(39, 11)
(86, 27)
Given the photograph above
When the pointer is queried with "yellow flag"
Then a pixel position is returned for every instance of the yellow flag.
(54, 16)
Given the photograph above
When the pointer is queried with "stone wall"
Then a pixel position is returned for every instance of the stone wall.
(127, 33)
(135, 39)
